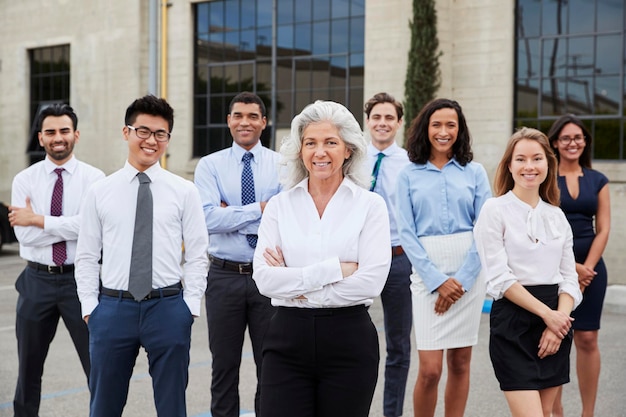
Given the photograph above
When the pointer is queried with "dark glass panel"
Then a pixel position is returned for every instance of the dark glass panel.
(579, 94)
(607, 95)
(216, 16)
(232, 13)
(358, 8)
(303, 12)
(553, 58)
(247, 43)
(248, 14)
(528, 58)
(303, 42)
(202, 18)
(264, 75)
(355, 103)
(340, 30)
(581, 16)
(247, 73)
(321, 10)
(200, 110)
(340, 9)
(217, 85)
(301, 99)
(528, 18)
(608, 62)
(264, 42)
(201, 79)
(285, 11)
(553, 97)
(284, 114)
(357, 34)
(285, 40)
(219, 138)
(264, 13)
(337, 94)
(321, 38)
(338, 71)
(553, 17)
(303, 74)
(527, 98)
(284, 74)
(610, 15)
(579, 60)
(231, 43)
(606, 139)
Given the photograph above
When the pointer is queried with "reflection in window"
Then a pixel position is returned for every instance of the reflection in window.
(571, 59)
(319, 49)
(49, 83)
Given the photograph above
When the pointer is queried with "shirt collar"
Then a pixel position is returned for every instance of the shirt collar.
(346, 183)
(130, 172)
(238, 151)
(69, 166)
(389, 150)
(430, 166)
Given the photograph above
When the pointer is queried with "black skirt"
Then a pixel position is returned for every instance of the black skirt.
(514, 345)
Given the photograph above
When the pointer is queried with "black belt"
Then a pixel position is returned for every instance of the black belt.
(397, 250)
(52, 269)
(241, 267)
(159, 293)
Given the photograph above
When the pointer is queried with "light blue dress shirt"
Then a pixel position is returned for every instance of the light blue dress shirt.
(395, 160)
(432, 201)
(218, 178)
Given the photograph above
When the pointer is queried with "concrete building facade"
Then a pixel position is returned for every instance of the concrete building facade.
(109, 67)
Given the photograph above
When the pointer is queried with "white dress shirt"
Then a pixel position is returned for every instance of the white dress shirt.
(353, 228)
(532, 246)
(108, 223)
(37, 183)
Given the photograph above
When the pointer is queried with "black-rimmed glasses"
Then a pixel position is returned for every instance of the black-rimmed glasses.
(566, 140)
(145, 133)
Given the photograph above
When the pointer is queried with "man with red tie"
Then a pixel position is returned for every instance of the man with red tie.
(44, 211)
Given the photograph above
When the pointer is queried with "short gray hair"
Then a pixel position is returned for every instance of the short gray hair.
(349, 131)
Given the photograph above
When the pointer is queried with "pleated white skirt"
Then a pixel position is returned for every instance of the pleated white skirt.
(457, 327)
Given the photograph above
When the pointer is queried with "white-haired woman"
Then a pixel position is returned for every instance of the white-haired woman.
(322, 256)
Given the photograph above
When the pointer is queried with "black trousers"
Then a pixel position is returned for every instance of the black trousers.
(319, 363)
(233, 302)
(43, 298)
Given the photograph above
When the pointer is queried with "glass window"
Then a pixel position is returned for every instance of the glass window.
(319, 44)
(575, 64)
(49, 83)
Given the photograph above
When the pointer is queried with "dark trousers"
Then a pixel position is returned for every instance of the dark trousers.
(233, 303)
(43, 298)
(118, 328)
(398, 317)
(319, 363)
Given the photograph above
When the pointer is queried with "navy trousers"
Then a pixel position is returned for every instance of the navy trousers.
(43, 298)
(398, 318)
(118, 327)
(233, 302)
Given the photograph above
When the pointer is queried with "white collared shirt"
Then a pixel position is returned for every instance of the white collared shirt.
(353, 228)
(532, 246)
(108, 224)
(37, 183)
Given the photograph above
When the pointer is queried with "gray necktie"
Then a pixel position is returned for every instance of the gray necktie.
(140, 278)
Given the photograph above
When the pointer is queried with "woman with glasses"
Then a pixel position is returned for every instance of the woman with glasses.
(584, 198)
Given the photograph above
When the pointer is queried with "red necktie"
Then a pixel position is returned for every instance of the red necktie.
(59, 253)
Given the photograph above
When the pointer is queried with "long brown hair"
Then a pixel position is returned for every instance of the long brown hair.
(548, 190)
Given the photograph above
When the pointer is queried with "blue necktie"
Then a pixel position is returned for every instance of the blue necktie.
(247, 190)
(376, 170)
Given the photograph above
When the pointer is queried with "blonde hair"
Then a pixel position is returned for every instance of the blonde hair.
(503, 183)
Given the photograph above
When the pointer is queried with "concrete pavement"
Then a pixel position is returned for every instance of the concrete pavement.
(65, 392)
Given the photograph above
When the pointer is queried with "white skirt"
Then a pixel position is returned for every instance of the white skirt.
(457, 327)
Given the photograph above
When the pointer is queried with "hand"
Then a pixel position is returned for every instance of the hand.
(348, 268)
(451, 290)
(549, 343)
(274, 257)
(558, 322)
(263, 204)
(442, 305)
(22, 216)
(586, 274)
(223, 204)
(86, 318)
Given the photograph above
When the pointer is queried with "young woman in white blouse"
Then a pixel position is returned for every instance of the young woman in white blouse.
(322, 256)
(525, 246)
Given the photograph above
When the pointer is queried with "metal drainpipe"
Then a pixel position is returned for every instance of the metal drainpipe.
(164, 27)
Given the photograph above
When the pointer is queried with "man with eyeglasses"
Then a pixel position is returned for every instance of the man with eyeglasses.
(45, 213)
(147, 290)
(235, 184)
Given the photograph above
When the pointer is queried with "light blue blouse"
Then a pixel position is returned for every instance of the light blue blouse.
(432, 201)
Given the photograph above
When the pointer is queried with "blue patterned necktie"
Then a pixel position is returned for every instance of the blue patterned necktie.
(376, 170)
(247, 190)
